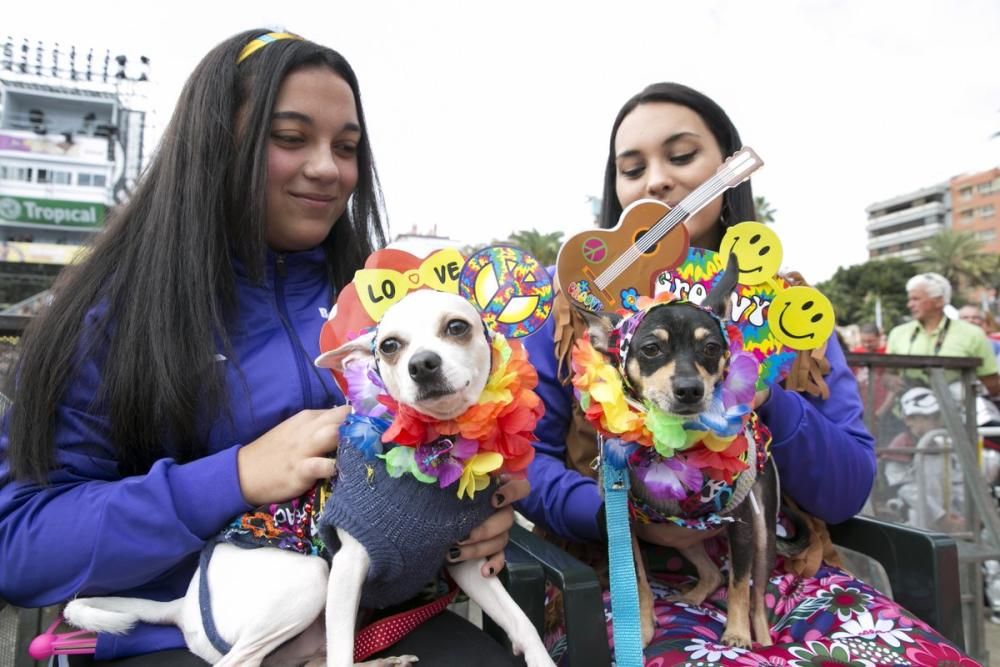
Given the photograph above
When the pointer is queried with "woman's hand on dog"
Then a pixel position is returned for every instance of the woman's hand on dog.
(489, 538)
(289, 459)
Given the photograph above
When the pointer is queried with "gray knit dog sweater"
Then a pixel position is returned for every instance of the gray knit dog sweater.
(407, 526)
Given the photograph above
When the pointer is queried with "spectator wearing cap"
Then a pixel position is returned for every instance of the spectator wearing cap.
(941, 511)
(931, 333)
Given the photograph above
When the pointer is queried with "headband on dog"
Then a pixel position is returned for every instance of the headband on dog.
(262, 41)
(620, 337)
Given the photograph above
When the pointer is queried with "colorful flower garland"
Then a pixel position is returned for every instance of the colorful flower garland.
(710, 445)
(491, 437)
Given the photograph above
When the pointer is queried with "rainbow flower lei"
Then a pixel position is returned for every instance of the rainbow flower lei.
(491, 437)
(674, 454)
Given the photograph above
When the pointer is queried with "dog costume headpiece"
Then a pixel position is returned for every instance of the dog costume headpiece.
(621, 334)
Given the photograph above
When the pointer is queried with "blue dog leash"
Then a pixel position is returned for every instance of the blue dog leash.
(624, 590)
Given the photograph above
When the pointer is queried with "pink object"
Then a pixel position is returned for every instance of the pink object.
(48, 644)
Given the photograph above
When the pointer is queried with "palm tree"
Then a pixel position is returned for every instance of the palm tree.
(763, 210)
(959, 257)
(544, 247)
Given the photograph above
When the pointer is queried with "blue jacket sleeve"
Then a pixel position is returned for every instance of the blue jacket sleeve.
(89, 531)
(561, 498)
(824, 453)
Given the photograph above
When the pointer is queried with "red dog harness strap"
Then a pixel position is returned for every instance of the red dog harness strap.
(385, 632)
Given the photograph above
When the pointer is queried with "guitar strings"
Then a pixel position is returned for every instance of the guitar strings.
(668, 222)
(654, 235)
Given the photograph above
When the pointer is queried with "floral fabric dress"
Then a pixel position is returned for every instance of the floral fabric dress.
(829, 619)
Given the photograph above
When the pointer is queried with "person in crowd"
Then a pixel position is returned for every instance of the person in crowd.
(884, 391)
(171, 385)
(930, 485)
(975, 315)
(932, 333)
(869, 339)
(665, 142)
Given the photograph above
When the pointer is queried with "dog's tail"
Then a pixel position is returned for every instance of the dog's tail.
(800, 540)
(119, 615)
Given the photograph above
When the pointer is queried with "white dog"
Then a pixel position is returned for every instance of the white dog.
(434, 356)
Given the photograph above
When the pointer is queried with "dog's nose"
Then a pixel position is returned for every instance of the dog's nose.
(424, 365)
(689, 390)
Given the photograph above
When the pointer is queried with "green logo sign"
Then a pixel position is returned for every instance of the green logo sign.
(51, 212)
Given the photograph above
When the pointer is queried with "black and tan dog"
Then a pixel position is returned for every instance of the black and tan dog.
(674, 359)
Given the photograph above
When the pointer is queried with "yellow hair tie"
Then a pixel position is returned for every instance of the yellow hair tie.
(261, 42)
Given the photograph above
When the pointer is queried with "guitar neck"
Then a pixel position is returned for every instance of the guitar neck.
(733, 171)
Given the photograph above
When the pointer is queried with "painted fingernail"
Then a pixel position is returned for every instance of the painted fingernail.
(454, 553)
(498, 499)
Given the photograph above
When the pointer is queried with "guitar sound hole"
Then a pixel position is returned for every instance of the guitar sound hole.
(639, 235)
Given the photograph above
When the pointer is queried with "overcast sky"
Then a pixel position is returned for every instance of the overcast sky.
(491, 118)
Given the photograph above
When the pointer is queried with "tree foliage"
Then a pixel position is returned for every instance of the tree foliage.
(763, 210)
(853, 291)
(544, 247)
(959, 257)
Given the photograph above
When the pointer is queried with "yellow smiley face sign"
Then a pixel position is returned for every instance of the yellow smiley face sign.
(801, 318)
(757, 250)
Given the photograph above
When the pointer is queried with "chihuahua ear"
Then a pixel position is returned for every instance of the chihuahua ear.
(718, 300)
(358, 349)
(599, 328)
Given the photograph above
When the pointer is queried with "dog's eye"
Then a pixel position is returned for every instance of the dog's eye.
(650, 350)
(457, 328)
(712, 349)
(389, 346)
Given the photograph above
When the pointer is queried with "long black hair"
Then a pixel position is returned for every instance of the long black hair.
(150, 302)
(737, 202)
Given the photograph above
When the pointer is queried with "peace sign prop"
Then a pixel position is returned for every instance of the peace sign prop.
(512, 291)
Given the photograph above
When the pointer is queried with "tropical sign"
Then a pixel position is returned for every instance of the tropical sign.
(51, 212)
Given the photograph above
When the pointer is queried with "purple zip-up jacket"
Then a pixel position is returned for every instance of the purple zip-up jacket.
(824, 452)
(91, 532)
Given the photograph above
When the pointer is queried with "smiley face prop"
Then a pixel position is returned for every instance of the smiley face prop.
(775, 319)
(757, 249)
(801, 318)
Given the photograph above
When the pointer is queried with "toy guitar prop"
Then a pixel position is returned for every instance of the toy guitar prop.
(648, 240)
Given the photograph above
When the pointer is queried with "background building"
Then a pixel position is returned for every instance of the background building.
(975, 201)
(72, 125)
(898, 227)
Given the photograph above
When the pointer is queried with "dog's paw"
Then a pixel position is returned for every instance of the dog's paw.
(736, 639)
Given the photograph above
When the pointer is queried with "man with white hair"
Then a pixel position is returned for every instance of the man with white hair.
(931, 333)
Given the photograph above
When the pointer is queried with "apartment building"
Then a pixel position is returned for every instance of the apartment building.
(898, 227)
(976, 206)
(72, 125)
